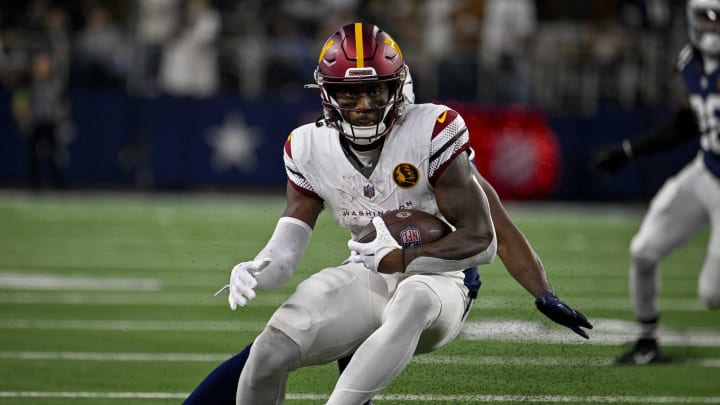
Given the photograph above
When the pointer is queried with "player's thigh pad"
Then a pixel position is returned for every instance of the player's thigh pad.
(676, 214)
(332, 312)
(453, 296)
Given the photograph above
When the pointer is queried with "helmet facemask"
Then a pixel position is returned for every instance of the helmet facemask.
(384, 112)
(704, 25)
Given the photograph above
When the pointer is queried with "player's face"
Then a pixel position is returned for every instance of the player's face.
(708, 19)
(362, 104)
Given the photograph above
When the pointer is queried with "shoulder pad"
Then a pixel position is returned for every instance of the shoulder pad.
(685, 56)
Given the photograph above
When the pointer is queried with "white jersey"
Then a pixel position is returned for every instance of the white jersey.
(416, 151)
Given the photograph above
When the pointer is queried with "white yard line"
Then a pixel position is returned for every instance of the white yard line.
(543, 361)
(63, 294)
(131, 325)
(391, 397)
(606, 332)
(145, 298)
(24, 281)
(98, 356)
(427, 359)
(610, 332)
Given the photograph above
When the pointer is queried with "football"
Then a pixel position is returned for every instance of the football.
(410, 228)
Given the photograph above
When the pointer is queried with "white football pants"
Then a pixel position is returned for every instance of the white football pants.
(383, 319)
(682, 208)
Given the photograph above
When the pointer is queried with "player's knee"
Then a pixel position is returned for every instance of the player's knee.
(641, 250)
(273, 352)
(709, 281)
(416, 302)
(710, 298)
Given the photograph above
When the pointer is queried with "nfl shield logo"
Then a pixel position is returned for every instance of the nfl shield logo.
(369, 191)
(410, 238)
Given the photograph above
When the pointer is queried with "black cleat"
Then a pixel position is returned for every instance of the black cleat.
(645, 351)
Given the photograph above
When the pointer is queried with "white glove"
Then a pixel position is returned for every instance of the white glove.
(372, 253)
(242, 282)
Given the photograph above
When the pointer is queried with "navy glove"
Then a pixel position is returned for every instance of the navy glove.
(609, 160)
(561, 313)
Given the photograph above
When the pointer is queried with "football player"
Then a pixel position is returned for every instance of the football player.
(516, 253)
(688, 201)
(384, 304)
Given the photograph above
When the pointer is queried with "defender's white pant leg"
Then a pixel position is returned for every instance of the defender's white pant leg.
(676, 214)
(644, 288)
(709, 282)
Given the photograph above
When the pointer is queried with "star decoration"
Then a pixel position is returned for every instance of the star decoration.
(234, 144)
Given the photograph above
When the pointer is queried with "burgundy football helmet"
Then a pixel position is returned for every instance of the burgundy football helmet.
(361, 54)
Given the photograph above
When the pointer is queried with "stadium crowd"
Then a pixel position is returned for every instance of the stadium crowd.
(560, 55)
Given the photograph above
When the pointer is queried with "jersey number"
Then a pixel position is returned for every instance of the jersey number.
(707, 110)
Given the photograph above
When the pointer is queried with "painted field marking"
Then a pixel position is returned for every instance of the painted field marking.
(546, 361)
(135, 298)
(425, 359)
(101, 356)
(24, 281)
(610, 332)
(391, 397)
(16, 288)
(131, 325)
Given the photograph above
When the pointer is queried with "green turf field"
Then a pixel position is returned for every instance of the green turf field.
(108, 299)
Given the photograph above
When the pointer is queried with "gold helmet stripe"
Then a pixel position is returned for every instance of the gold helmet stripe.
(359, 45)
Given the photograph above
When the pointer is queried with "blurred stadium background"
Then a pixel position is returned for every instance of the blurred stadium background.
(179, 112)
(200, 94)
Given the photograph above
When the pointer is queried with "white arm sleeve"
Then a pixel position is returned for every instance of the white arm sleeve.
(285, 249)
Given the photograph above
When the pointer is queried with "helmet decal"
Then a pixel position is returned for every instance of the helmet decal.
(393, 44)
(325, 48)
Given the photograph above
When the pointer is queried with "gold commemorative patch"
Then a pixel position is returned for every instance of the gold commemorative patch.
(406, 175)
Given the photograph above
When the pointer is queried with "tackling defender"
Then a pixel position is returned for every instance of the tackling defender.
(689, 200)
(374, 152)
